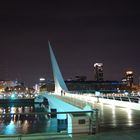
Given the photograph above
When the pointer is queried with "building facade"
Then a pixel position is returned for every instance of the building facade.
(93, 86)
(98, 71)
(129, 78)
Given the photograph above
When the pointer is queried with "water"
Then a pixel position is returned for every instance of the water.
(111, 118)
(22, 124)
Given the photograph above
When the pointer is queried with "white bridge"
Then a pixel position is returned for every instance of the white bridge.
(122, 101)
(78, 121)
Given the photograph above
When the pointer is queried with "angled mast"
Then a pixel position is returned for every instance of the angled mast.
(58, 78)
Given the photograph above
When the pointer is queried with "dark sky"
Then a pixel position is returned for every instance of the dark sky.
(81, 33)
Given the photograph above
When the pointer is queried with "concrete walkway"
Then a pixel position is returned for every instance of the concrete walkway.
(116, 135)
(109, 135)
(124, 135)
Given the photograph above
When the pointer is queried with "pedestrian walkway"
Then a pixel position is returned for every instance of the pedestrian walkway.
(124, 135)
(108, 135)
(117, 135)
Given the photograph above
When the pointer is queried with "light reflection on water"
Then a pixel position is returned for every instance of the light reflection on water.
(10, 128)
(110, 117)
(25, 126)
(21, 124)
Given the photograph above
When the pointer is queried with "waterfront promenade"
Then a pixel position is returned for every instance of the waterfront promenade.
(129, 131)
(118, 133)
(125, 135)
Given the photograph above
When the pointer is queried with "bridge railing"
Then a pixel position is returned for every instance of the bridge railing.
(133, 99)
(122, 98)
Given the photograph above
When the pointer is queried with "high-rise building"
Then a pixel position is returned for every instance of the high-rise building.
(129, 78)
(98, 71)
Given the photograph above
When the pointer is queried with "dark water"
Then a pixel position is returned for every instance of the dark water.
(22, 124)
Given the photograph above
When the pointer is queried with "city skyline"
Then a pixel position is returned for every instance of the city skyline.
(81, 34)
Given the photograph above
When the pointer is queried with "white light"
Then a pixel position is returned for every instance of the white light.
(98, 64)
(42, 79)
(97, 93)
(126, 93)
(129, 72)
(13, 96)
(36, 95)
(12, 110)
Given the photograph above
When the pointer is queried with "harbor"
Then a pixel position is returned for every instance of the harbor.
(66, 114)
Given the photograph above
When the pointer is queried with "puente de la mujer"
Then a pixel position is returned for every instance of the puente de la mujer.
(78, 120)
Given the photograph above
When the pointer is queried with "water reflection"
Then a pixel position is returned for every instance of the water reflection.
(25, 126)
(21, 123)
(10, 128)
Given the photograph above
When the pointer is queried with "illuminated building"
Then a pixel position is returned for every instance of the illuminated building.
(92, 86)
(80, 84)
(98, 71)
(8, 83)
(42, 81)
(129, 78)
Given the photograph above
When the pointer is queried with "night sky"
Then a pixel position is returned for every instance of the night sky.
(81, 33)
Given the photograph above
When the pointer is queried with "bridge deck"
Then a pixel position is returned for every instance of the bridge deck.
(61, 105)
